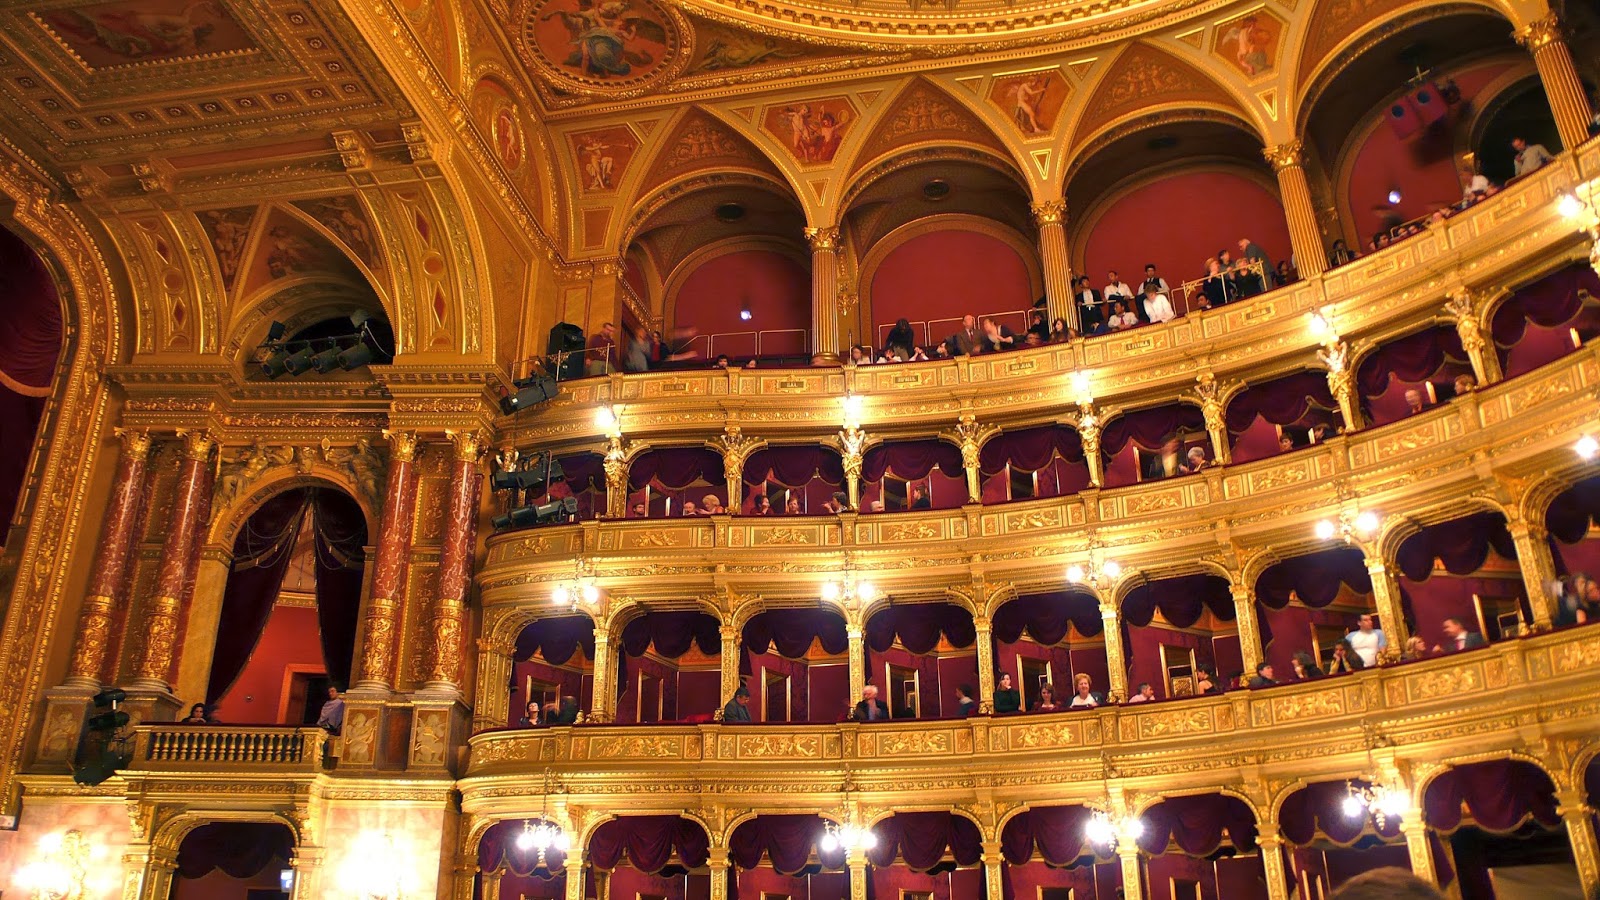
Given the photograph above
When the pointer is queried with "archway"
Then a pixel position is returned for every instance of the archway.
(1050, 639)
(797, 664)
(1463, 570)
(922, 654)
(1308, 604)
(1327, 845)
(234, 861)
(30, 342)
(1174, 628)
(298, 565)
(553, 671)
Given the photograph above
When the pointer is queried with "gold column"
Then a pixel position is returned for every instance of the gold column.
(1089, 432)
(1579, 818)
(993, 875)
(858, 662)
(180, 555)
(1051, 217)
(444, 651)
(1386, 597)
(1244, 606)
(969, 436)
(1463, 307)
(857, 861)
(736, 449)
(1132, 875)
(1289, 162)
(380, 628)
(729, 662)
(602, 707)
(108, 587)
(575, 874)
(824, 293)
(1272, 847)
(985, 644)
(616, 466)
(1342, 382)
(717, 862)
(1115, 665)
(1416, 834)
(1538, 569)
(307, 865)
(1542, 38)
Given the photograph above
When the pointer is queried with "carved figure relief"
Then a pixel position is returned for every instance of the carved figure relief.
(602, 157)
(811, 130)
(229, 231)
(344, 217)
(727, 49)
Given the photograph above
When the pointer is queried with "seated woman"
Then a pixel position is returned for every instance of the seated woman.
(1205, 683)
(197, 716)
(792, 507)
(761, 506)
(1007, 699)
(1085, 696)
(1061, 332)
(532, 715)
(1344, 659)
(965, 705)
(1047, 700)
(1305, 668)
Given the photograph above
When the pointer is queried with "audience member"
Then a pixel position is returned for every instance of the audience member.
(875, 506)
(1089, 311)
(1061, 332)
(565, 712)
(1147, 692)
(690, 509)
(838, 503)
(1084, 696)
(532, 715)
(1287, 273)
(1007, 699)
(711, 506)
(870, 709)
(722, 361)
(1156, 304)
(761, 506)
(1530, 157)
(1457, 637)
(1415, 402)
(860, 356)
(1047, 700)
(920, 498)
(635, 350)
(791, 507)
(1166, 462)
(1038, 327)
(997, 337)
(1251, 252)
(969, 340)
(638, 511)
(1388, 883)
(1151, 279)
(901, 337)
(1305, 668)
(1263, 677)
(965, 705)
(1285, 442)
(1367, 641)
(1205, 682)
(1219, 287)
(738, 708)
(597, 359)
(1464, 384)
(1415, 648)
(1340, 255)
(1344, 659)
(1474, 186)
(1116, 288)
(197, 716)
(1195, 460)
(331, 719)
(1120, 317)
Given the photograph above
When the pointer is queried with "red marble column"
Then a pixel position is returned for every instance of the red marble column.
(180, 558)
(443, 661)
(108, 579)
(381, 626)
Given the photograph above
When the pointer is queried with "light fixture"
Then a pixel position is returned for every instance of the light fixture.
(853, 404)
(744, 314)
(848, 590)
(1383, 803)
(847, 837)
(1103, 575)
(375, 867)
(1394, 197)
(1569, 205)
(578, 591)
(61, 868)
(607, 420)
(1106, 832)
(1351, 527)
(1320, 324)
(1586, 447)
(543, 835)
(1083, 387)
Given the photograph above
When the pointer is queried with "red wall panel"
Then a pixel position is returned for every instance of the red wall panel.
(943, 275)
(776, 288)
(1177, 222)
(291, 638)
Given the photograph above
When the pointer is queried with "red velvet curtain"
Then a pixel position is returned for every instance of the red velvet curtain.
(649, 843)
(912, 460)
(919, 627)
(499, 847)
(1318, 809)
(1181, 600)
(30, 343)
(340, 529)
(1571, 513)
(1499, 794)
(1047, 618)
(1415, 357)
(1315, 578)
(240, 849)
(676, 468)
(1148, 428)
(1056, 832)
(1548, 302)
(1197, 824)
(1303, 398)
(786, 840)
(1030, 449)
(1462, 544)
(920, 840)
(672, 633)
(791, 632)
(556, 639)
(794, 466)
(261, 555)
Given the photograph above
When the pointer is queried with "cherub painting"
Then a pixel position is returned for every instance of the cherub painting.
(812, 130)
(507, 134)
(1031, 100)
(607, 39)
(601, 157)
(107, 34)
(1250, 43)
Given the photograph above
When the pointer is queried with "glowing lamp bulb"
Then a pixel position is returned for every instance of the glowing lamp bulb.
(1319, 325)
(1074, 573)
(1325, 530)
(1367, 523)
(1081, 387)
(830, 591)
(561, 594)
(1133, 826)
(1393, 803)
(852, 408)
(1354, 807)
(829, 842)
(1099, 830)
(1569, 206)
(868, 840)
(865, 590)
(605, 418)
(1587, 447)
(563, 842)
(525, 839)
(744, 314)
(1394, 197)
(590, 593)
(1112, 568)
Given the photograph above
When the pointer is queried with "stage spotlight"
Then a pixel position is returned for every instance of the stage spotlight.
(273, 365)
(298, 361)
(275, 333)
(552, 513)
(355, 357)
(532, 477)
(327, 360)
(530, 392)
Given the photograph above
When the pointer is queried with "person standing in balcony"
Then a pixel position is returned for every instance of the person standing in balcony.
(1116, 288)
(600, 347)
(738, 709)
(331, 719)
(1530, 157)
(1366, 640)
(1007, 699)
(1090, 315)
(1251, 252)
(1457, 637)
(1152, 279)
(1219, 287)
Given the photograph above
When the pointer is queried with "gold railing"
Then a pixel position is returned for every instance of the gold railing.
(206, 746)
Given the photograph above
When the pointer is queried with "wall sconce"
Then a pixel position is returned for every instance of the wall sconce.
(1320, 324)
(375, 868)
(848, 590)
(853, 405)
(579, 591)
(609, 421)
(60, 869)
(1351, 527)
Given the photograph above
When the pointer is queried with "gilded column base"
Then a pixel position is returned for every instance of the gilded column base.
(439, 729)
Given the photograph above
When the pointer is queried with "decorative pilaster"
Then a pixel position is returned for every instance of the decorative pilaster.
(1132, 872)
(616, 466)
(985, 644)
(857, 862)
(993, 876)
(858, 661)
(1538, 568)
(1089, 432)
(1272, 848)
(108, 581)
(307, 865)
(1464, 306)
(1289, 162)
(1416, 834)
(180, 557)
(824, 292)
(1244, 607)
(1552, 57)
(602, 708)
(736, 450)
(1579, 818)
(717, 863)
(970, 437)
(1051, 217)
(730, 662)
(380, 630)
(574, 874)
(444, 651)
(1209, 395)
(1386, 596)
(852, 449)
(1116, 666)
(1342, 382)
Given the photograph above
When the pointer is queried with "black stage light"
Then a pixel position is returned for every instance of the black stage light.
(327, 360)
(530, 392)
(275, 333)
(355, 357)
(273, 365)
(554, 512)
(298, 361)
(531, 477)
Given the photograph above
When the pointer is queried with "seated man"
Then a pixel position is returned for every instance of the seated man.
(1156, 304)
(1147, 692)
(1263, 677)
(738, 709)
(1415, 402)
(690, 508)
(1459, 638)
(870, 709)
(1195, 460)
(331, 719)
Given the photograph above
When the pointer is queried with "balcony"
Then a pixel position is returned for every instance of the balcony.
(232, 748)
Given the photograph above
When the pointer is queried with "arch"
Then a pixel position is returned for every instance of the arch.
(503, 624)
(171, 833)
(862, 179)
(227, 520)
(659, 197)
(1396, 530)
(626, 609)
(698, 140)
(29, 364)
(788, 251)
(923, 115)
(748, 815)
(1146, 803)
(1132, 580)
(1144, 81)
(1419, 791)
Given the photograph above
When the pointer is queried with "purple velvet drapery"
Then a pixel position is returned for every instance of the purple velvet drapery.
(556, 639)
(794, 466)
(498, 847)
(584, 471)
(1147, 428)
(1047, 618)
(1197, 825)
(1416, 357)
(1317, 809)
(672, 633)
(1180, 600)
(786, 840)
(1030, 449)
(676, 468)
(240, 849)
(649, 843)
(1461, 544)
(1315, 578)
(1055, 832)
(791, 631)
(1500, 794)
(30, 343)
(340, 531)
(911, 460)
(1285, 401)
(920, 840)
(1548, 302)
(1571, 513)
(261, 555)
(919, 627)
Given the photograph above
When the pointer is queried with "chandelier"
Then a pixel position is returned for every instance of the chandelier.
(61, 868)
(545, 834)
(580, 590)
(849, 590)
(1350, 527)
(1102, 575)
(848, 836)
(1383, 803)
(1105, 831)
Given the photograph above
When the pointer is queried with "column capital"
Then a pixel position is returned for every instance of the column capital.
(135, 442)
(1540, 32)
(1287, 155)
(402, 445)
(197, 444)
(823, 239)
(469, 444)
(1050, 212)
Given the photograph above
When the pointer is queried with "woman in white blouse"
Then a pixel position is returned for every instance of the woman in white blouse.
(1156, 305)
